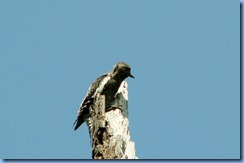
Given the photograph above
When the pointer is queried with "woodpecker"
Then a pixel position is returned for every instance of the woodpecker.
(108, 85)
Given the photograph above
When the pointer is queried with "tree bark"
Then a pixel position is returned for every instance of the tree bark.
(109, 127)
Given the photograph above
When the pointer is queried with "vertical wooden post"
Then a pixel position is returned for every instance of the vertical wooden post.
(109, 128)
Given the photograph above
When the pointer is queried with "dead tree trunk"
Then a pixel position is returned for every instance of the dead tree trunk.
(109, 130)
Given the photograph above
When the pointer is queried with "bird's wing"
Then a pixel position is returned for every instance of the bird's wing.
(96, 87)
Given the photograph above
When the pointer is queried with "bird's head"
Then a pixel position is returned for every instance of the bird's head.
(123, 70)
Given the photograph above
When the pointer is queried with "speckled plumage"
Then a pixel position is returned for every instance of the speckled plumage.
(108, 85)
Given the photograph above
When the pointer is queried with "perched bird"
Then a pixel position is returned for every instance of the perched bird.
(108, 85)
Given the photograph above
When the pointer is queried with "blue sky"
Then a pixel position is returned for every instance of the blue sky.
(184, 102)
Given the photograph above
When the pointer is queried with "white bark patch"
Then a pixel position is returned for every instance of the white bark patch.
(109, 131)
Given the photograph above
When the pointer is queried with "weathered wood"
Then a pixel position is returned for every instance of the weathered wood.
(109, 128)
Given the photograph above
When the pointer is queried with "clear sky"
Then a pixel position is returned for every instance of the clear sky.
(185, 55)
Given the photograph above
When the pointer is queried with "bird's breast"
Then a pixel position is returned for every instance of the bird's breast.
(110, 90)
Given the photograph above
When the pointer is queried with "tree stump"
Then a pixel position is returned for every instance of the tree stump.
(109, 127)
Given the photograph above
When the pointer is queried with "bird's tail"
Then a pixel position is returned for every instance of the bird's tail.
(83, 114)
(78, 122)
(74, 122)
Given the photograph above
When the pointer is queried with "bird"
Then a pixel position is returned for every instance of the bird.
(108, 85)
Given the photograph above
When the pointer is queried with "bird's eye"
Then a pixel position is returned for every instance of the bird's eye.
(125, 68)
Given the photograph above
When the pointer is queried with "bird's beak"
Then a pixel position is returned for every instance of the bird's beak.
(131, 75)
